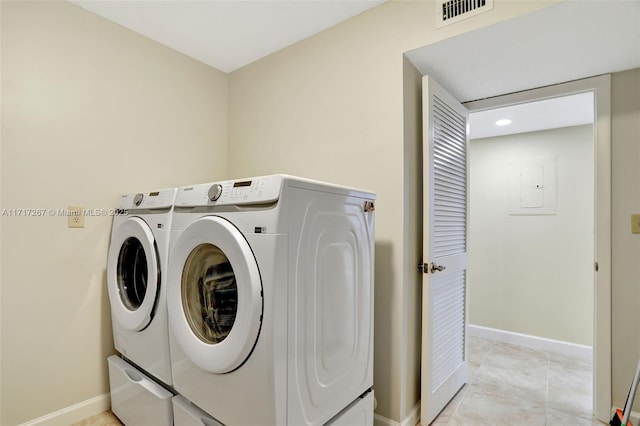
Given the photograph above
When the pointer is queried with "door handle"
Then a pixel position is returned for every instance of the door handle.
(435, 267)
(425, 268)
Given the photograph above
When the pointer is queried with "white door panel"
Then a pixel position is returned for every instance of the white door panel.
(444, 348)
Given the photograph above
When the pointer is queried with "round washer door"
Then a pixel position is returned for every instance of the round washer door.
(133, 277)
(214, 295)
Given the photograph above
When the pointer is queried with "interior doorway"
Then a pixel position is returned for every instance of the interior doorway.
(531, 231)
(599, 87)
(531, 244)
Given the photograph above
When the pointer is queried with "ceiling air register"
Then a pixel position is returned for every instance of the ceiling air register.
(451, 11)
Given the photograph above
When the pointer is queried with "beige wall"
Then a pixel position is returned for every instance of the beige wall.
(331, 108)
(625, 136)
(533, 274)
(90, 110)
(412, 235)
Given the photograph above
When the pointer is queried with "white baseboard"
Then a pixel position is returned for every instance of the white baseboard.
(542, 343)
(413, 417)
(73, 413)
(379, 420)
(410, 420)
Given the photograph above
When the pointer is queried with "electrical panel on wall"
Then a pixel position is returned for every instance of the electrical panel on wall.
(532, 186)
(452, 11)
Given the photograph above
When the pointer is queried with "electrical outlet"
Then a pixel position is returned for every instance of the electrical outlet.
(75, 217)
(635, 223)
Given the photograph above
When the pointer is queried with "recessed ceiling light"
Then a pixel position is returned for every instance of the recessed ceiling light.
(503, 122)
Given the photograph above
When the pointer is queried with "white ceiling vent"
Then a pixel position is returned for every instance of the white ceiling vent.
(452, 11)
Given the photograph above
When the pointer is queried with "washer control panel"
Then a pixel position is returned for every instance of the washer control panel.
(259, 190)
(148, 200)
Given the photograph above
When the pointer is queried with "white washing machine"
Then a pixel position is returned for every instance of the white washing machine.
(270, 299)
(136, 280)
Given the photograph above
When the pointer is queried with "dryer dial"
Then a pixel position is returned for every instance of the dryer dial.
(215, 191)
(137, 200)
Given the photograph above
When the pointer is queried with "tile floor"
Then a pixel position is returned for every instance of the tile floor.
(516, 385)
(508, 385)
(103, 419)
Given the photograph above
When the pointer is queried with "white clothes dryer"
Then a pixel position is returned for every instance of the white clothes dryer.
(136, 280)
(270, 299)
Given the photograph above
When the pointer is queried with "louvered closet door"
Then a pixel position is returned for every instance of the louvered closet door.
(444, 348)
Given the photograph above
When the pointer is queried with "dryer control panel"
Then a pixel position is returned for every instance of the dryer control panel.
(259, 190)
(162, 199)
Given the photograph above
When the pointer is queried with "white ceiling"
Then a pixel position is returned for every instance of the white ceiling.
(553, 113)
(227, 34)
(568, 41)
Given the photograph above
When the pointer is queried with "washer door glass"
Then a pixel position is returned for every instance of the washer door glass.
(214, 295)
(133, 275)
(209, 293)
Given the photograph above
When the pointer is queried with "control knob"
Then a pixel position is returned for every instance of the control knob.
(215, 191)
(137, 200)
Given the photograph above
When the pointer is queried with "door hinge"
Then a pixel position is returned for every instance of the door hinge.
(597, 267)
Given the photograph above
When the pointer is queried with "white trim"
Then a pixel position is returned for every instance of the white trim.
(379, 420)
(542, 343)
(412, 418)
(74, 413)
